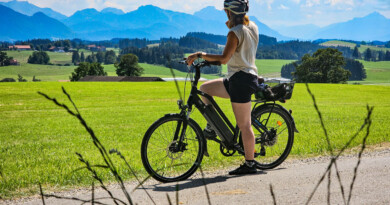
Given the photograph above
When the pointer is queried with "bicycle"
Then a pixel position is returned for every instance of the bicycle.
(173, 147)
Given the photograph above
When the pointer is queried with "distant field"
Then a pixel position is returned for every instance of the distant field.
(39, 140)
(362, 48)
(377, 72)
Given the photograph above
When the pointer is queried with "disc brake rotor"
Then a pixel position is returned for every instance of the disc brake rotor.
(173, 155)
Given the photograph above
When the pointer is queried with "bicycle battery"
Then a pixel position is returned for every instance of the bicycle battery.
(218, 125)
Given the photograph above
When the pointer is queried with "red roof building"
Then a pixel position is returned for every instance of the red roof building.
(20, 47)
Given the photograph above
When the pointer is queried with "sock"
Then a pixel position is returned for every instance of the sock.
(250, 163)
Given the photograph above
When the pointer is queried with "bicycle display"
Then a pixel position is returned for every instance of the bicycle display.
(173, 147)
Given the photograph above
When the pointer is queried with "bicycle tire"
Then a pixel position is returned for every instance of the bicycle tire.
(163, 164)
(274, 154)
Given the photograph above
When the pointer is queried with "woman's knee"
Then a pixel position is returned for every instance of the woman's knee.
(203, 87)
(244, 127)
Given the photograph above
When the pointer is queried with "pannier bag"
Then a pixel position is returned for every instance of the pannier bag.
(279, 92)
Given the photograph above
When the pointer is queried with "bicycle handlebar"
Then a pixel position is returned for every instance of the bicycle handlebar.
(198, 66)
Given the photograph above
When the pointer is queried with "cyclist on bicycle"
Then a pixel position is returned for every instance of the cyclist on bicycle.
(241, 80)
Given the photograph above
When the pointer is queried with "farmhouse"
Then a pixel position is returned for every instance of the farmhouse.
(20, 47)
(95, 48)
(14, 62)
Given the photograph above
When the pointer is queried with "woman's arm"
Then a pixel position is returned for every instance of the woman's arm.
(230, 48)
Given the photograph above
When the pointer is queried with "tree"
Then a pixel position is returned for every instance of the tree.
(100, 57)
(128, 66)
(110, 57)
(4, 59)
(387, 45)
(368, 55)
(387, 56)
(356, 68)
(75, 57)
(356, 54)
(324, 66)
(91, 58)
(381, 56)
(82, 57)
(288, 69)
(39, 57)
(84, 69)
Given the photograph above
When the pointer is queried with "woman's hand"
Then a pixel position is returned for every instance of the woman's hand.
(191, 58)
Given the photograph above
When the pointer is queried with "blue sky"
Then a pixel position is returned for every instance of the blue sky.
(272, 12)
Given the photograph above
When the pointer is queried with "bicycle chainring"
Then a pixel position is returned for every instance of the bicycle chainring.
(226, 152)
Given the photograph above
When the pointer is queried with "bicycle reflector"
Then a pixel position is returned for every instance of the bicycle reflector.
(279, 123)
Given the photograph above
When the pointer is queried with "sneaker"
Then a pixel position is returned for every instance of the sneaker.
(244, 169)
(209, 133)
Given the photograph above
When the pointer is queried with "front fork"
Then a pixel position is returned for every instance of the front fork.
(181, 128)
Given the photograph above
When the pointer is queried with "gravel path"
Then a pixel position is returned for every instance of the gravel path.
(292, 183)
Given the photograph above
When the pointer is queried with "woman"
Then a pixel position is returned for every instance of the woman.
(241, 80)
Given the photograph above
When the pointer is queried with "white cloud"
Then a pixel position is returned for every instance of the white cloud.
(311, 3)
(296, 1)
(336, 2)
(283, 7)
(267, 2)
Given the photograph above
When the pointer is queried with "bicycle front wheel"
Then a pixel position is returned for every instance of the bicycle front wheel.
(274, 145)
(165, 158)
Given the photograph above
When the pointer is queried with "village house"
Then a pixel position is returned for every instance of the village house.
(95, 48)
(20, 47)
(14, 62)
(57, 49)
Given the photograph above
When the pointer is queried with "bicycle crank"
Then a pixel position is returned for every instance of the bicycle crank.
(226, 152)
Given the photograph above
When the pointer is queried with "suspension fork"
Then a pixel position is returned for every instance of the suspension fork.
(181, 129)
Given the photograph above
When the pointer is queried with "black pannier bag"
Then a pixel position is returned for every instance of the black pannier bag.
(281, 92)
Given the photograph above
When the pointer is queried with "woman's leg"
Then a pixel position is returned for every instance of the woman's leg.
(242, 112)
(214, 88)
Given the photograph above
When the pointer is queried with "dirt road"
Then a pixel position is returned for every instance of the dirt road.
(292, 183)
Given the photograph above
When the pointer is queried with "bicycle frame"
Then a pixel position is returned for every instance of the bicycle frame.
(214, 115)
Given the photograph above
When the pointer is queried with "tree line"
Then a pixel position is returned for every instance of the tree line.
(168, 54)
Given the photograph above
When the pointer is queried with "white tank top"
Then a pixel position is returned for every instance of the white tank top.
(244, 57)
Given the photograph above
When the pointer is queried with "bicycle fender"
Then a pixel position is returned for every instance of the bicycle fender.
(263, 106)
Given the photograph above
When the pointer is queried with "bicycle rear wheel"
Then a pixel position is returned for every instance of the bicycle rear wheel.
(276, 145)
(162, 156)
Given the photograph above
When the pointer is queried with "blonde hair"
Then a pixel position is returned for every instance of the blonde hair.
(235, 20)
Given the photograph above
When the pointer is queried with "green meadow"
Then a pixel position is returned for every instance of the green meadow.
(38, 140)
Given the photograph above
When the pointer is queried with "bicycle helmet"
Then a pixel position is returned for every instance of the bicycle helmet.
(237, 6)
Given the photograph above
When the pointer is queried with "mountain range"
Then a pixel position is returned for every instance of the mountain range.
(26, 21)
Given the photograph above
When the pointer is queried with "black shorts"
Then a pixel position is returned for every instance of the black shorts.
(241, 86)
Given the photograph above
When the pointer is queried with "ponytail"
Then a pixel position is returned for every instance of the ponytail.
(235, 20)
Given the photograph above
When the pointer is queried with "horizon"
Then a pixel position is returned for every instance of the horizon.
(274, 13)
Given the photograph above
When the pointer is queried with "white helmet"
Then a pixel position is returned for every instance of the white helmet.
(237, 6)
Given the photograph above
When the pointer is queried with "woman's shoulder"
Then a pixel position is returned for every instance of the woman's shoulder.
(237, 28)
(252, 24)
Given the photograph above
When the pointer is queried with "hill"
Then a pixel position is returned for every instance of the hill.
(19, 26)
(369, 28)
(211, 13)
(28, 9)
